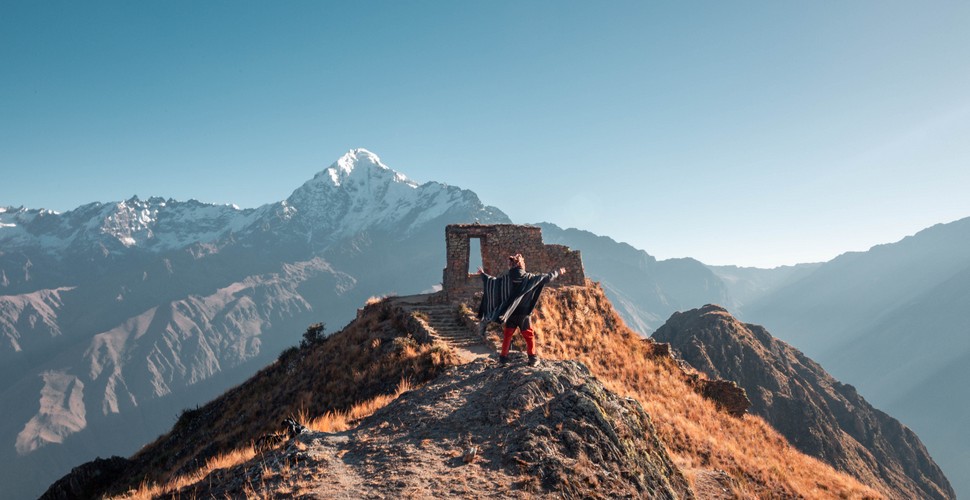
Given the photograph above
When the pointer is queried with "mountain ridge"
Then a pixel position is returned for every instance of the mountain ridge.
(510, 442)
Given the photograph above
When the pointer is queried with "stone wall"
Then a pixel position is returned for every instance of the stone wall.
(497, 242)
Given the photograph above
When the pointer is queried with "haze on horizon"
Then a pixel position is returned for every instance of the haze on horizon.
(752, 133)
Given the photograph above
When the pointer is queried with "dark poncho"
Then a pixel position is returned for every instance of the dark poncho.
(515, 291)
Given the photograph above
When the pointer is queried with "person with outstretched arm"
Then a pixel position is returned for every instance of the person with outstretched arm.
(510, 299)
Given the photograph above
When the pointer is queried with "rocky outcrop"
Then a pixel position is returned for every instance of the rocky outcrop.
(819, 415)
(726, 394)
(87, 480)
(485, 430)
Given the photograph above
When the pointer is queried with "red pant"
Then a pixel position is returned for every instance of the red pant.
(527, 334)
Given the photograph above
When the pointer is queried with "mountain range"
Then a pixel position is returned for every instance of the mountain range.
(394, 408)
(115, 317)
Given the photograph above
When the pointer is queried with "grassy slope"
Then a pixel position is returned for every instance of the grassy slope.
(364, 361)
(372, 355)
(579, 323)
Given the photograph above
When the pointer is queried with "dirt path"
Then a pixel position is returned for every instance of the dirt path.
(711, 484)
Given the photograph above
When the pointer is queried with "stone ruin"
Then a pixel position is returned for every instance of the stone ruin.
(497, 242)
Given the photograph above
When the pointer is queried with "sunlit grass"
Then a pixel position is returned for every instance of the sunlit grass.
(332, 421)
(315, 387)
(223, 461)
(329, 385)
(580, 323)
(337, 421)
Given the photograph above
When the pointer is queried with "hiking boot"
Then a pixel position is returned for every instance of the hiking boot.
(503, 360)
(533, 360)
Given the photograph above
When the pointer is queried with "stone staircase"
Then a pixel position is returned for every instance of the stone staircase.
(444, 320)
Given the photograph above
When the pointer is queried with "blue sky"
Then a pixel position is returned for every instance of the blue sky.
(751, 133)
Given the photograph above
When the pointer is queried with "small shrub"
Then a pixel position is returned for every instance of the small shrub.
(187, 414)
(313, 335)
(404, 344)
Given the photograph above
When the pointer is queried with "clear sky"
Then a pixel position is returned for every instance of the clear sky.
(750, 133)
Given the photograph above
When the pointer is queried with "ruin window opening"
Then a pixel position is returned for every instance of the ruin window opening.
(475, 255)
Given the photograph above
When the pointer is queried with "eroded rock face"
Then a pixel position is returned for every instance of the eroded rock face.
(817, 414)
(491, 431)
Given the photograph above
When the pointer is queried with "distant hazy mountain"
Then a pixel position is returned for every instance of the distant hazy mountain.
(819, 415)
(643, 290)
(895, 322)
(915, 362)
(856, 290)
(113, 317)
(748, 284)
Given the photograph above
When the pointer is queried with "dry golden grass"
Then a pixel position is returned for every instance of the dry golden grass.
(580, 323)
(341, 420)
(369, 363)
(364, 362)
(148, 491)
(372, 300)
(288, 484)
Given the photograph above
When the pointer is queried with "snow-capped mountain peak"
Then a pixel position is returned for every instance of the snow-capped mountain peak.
(361, 162)
(156, 223)
(356, 193)
(131, 221)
